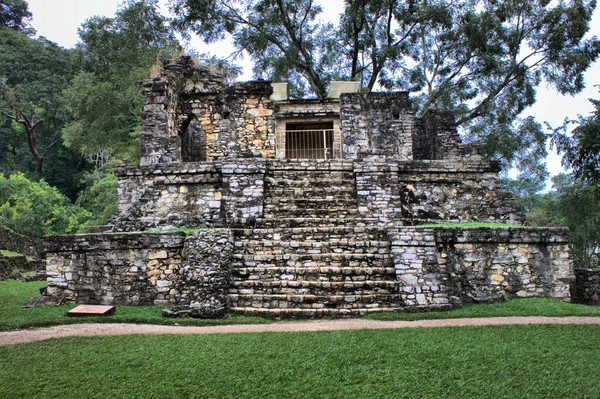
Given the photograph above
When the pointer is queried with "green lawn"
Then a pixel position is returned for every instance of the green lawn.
(13, 294)
(474, 362)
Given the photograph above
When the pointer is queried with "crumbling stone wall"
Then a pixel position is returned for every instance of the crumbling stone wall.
(191, 114)
(440, 266)
(452, 190)
(140, 268)
(376, 124)
(166, 196)
(586, 287)
(204, 276)
(435, 137)
(11, 241)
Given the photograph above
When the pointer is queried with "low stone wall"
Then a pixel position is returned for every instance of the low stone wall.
(444, 265)
(434, 191)
(14, 242)
(136, 268)
(586, 288)
(433, 268)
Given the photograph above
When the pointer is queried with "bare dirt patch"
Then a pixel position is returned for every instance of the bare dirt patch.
(88, 330)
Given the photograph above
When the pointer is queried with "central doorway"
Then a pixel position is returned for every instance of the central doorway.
(309, 140)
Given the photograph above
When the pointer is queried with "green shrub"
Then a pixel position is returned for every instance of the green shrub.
(36, 209)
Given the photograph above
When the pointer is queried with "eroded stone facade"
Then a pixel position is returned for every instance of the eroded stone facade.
(285, 236)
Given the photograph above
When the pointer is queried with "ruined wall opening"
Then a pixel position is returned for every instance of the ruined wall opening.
(309, 140)
(193, 140)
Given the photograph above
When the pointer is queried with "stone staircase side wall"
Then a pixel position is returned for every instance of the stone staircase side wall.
(420, 281)
(138, 268)
(243, 188)
(377, 189)
(458, 191)
(489, 264)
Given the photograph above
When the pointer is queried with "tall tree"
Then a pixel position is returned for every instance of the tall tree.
(30, 91)
(581, 148)
(482, 60)
(15, 15)
(104, 98)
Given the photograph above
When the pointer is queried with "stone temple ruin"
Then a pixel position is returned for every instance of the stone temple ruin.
(249, 202)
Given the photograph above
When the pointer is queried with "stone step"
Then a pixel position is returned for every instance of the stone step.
(309, 245)
(286, 301)
(309, 313)
(314, 273)
(300, 203)
(271, 221)
(310, 181)
(313, 260)
(325, 192)
(264, 287)
(271, 211)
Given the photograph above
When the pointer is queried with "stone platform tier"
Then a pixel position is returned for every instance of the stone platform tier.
(312, 271)
(293, 191)
(306, 272)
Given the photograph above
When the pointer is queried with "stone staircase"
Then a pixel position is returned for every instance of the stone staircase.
(311, 254)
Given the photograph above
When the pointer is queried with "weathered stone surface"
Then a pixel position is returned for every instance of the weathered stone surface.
(281, 236)
(11, 241)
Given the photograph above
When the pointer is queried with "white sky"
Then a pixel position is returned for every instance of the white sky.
(58, 21)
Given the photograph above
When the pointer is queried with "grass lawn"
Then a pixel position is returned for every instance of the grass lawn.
(13, 294)
(467, 362)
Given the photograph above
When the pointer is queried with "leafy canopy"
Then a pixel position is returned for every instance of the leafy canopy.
(104, 99)
(481, 60)
(37, 209)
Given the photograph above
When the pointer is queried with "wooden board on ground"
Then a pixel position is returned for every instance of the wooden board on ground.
(92, 310)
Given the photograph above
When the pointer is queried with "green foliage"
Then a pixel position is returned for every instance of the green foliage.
(33, 73)
(533, 361)
(99, 199)
(581, 148)
(576, 205)
(36, 209)
(15, 15)
(104, 99)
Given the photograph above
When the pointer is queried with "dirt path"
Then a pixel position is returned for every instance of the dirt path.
(87, 330)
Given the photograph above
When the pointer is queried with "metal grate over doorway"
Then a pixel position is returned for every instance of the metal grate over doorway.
(309, 141)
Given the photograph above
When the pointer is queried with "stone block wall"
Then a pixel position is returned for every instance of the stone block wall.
(435, 137)
(376, 124)
(243, 185)
(139, 268)
(483, 264)
(443, 266)
(452, 190)
(166, 196)
(14, 242)
(586, 287)
(191, 114)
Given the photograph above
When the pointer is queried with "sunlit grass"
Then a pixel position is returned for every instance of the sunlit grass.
(461, 362)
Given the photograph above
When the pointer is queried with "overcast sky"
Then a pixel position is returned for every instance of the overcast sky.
(58, 21)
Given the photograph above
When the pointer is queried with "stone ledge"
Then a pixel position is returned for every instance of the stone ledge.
(113, 241)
